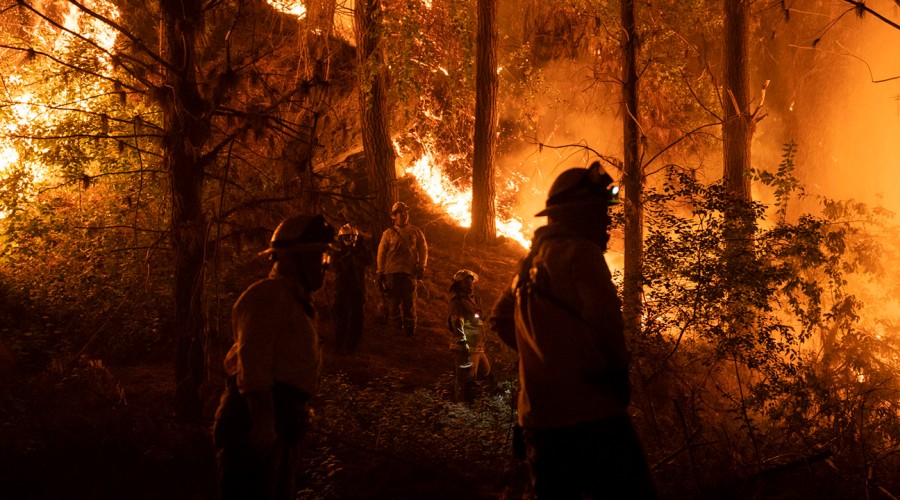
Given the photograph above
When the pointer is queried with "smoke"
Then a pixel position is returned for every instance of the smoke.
(826, 99)
(570, 115)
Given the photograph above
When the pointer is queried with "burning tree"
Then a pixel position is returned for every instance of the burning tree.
(212, 110)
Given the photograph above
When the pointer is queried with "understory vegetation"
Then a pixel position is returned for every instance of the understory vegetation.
(140, 176)
(803, 399)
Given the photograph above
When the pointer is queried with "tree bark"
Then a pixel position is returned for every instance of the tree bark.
(184, 138)
(484, 225)
(632, 293)
(737, 129)
(737, 132)
(379, 152)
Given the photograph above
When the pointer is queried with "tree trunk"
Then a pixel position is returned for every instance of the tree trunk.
(737, 129)
(484, 225)
(737, 133)
(632, 306)
(185, 136)
(374, 112)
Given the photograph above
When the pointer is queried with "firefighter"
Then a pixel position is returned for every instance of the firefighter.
(464, 318)
(563, 316)
(401, 261)
(349, 263)
(273, 366)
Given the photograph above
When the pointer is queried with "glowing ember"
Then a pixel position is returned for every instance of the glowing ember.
(456, 202)
(294, 8)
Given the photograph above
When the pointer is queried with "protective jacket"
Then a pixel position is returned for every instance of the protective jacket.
(275, 339)
(465, 323)
(562, 314)
(402, 250)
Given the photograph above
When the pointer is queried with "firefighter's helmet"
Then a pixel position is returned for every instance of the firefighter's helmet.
(399, 207)
(301, 233)
(463, 274)
(348, 234)
(581, 187)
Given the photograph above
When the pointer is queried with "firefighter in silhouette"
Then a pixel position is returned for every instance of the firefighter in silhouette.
(349, 263)
(273, 366)
(563, 316)
(464, 318)
(401, 261)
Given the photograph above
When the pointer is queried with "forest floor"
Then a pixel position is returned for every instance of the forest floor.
(82, 429)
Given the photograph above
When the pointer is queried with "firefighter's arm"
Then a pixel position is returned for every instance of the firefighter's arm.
(502, 319)
(422, 250)
(459, 331)
(380, 259)
(381, 256)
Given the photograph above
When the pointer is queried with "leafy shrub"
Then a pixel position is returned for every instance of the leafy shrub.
(384, 418)
(779, 358)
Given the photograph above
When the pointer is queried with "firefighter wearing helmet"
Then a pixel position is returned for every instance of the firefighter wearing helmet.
(464, 319)
(273, 366)
(563, 316)
(402, 257)
(349, 264)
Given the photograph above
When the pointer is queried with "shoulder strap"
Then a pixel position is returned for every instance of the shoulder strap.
(412, 254)
(525, 281)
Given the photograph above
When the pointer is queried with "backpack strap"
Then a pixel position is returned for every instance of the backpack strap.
(528, 283)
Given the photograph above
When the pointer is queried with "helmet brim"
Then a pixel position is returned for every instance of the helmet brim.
(299, 247)
(574, 204)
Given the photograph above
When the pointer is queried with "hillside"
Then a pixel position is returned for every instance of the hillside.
(82, 429)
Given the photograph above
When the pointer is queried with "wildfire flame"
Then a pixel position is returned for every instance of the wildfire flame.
(294, 8)
(26, 110)
(456, 201)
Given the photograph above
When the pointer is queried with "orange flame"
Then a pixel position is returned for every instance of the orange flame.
(456, 201)
(26, 110)
(294, 8)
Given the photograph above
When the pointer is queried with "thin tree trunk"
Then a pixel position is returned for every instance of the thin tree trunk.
(185, 136)
(633, 179)
(374, 111)
(737, 130)
(484, 225)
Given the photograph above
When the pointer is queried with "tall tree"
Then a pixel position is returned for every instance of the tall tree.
(484, 225)
(633, 174)
(737, 129)
(185, 135)
(374, 112)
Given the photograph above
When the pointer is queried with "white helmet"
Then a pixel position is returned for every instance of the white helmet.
(348, 234)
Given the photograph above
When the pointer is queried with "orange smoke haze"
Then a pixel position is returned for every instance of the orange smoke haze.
(846, 126)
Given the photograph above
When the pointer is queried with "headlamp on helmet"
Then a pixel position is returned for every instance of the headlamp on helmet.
(581, 187)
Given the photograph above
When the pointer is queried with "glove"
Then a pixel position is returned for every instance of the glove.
(465, 359)
(419, 271)
(382, 282)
